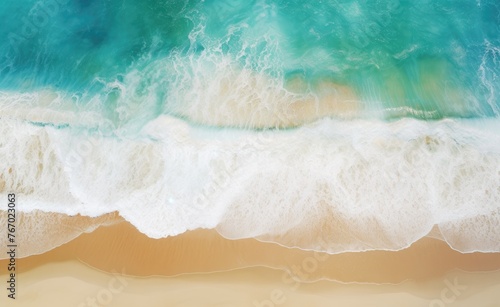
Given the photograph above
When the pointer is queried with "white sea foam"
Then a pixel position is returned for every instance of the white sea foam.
(332, 185)
(215, 90)
(38, 232)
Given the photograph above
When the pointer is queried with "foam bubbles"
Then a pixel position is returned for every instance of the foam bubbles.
(333, 185)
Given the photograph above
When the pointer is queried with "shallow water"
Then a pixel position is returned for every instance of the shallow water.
(331, 126)
(131, 61)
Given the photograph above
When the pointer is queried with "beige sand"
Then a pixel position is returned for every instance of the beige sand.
(122, 246)
(81, 272)
(71, 283)
(244, 98)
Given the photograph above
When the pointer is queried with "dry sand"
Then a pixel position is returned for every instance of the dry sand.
(71, 283)
(251, 273)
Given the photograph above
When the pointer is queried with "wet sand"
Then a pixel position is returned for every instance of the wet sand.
(71, 283)
(250, 273)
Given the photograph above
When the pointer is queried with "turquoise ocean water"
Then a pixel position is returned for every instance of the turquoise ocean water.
(431, 59)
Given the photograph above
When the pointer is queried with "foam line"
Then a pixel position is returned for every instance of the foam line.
(332, 185)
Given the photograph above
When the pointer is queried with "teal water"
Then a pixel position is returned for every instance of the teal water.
(391, 110)
(425, 59)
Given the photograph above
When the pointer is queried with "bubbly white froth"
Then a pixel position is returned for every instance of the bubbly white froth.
(333, 185)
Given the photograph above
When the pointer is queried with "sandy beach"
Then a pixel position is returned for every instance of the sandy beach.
(71, 283)
(118, 266)
(250, 153)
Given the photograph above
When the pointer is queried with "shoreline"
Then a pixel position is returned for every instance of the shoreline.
(71, 283)
(205, 251)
